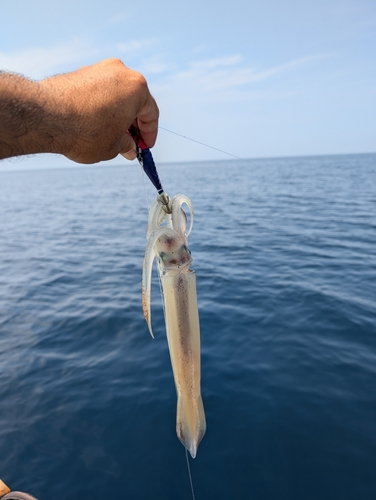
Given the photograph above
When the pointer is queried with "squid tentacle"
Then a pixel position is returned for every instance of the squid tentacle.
(150, 254)
(178, 213)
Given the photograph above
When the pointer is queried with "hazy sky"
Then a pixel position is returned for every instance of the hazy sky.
(256, 78)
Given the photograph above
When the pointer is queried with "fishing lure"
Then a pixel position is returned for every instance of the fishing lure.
(169, 244)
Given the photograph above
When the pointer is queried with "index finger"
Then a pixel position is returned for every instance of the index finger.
(147, 121)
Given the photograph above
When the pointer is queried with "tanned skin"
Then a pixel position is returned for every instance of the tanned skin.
(84, 115)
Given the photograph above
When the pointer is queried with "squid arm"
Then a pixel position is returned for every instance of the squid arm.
(150, 254)
(169, 244)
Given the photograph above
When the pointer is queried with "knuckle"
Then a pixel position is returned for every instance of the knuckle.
(140, 81)
(115, 62)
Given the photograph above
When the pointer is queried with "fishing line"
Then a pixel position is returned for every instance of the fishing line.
(186, 451)
(190, 475)
(145, 190)
(143, 156)
(202, 143)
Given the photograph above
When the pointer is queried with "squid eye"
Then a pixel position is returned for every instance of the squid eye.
(184, 252)
(163, 256)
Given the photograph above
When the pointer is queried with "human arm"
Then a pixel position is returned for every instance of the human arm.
(83, 115)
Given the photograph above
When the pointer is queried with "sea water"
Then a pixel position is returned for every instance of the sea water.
(285, 256)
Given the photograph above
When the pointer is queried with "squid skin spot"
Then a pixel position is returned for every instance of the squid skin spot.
(169, 242)
(144, 305)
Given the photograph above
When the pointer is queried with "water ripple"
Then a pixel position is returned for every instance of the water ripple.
(286, 277)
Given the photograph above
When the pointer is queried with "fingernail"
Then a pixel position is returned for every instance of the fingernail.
(130, 155)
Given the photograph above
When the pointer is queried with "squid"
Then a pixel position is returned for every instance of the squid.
(167, 241)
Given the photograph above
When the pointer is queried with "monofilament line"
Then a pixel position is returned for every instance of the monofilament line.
(202, 143)
(190, 475)
(143, 175)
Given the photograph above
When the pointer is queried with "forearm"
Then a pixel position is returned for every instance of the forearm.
(28, 122)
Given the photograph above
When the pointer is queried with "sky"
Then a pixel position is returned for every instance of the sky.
(261, 78)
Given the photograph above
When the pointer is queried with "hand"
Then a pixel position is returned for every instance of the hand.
(84, 115)
(96, 105)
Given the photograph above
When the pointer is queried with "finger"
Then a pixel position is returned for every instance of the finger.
(128, 147)
(130, 155)
(147, 121)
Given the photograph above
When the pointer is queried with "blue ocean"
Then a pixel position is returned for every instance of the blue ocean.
(285, 256)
